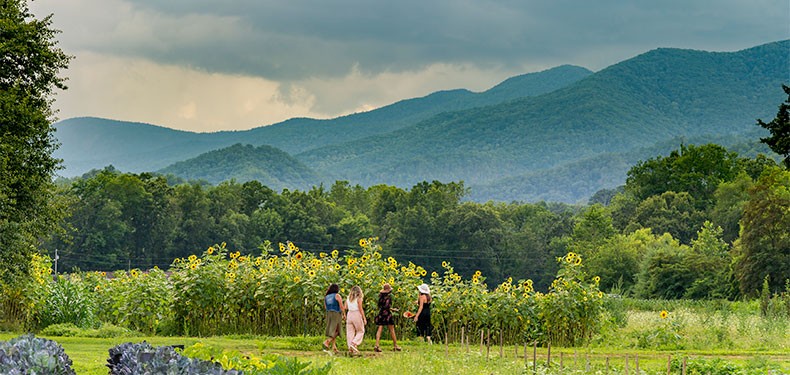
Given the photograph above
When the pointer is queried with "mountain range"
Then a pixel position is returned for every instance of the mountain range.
(560, 134)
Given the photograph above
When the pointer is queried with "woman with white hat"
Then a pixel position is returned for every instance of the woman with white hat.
(423, 316)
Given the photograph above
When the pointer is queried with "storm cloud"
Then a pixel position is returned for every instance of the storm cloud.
(315, 51)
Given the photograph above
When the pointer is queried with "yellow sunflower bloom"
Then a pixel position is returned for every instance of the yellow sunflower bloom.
(363, 242)
(299, 255)
(664, 314)
(192, 258)
(210, 251)
(282, 247)
(335, 253)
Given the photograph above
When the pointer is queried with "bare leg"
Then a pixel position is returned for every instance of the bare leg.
(394, 339)
(378, 335)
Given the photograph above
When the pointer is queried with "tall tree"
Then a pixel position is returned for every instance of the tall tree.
(30, 62)
(763, 248)
(779, 141)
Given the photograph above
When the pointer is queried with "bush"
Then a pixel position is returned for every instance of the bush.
(62, 330)
(32, 355)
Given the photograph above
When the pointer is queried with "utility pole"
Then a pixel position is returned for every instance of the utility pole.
(56, 265)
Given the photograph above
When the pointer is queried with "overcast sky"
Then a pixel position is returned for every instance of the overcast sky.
(208, 65)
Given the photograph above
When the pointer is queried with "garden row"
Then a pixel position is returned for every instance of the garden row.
(280, 293)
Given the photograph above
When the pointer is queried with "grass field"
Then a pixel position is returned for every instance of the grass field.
(89, 356)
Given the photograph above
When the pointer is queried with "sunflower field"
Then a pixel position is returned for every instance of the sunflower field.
(280, 293)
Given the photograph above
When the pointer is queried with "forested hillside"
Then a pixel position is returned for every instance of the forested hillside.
(653, 97)
(268, 165)
(93, 143)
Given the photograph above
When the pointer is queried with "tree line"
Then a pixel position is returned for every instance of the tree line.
(701, 222)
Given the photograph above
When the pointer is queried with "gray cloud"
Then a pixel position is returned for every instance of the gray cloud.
(294, 40)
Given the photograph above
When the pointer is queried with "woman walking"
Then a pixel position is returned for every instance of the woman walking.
(335, 313)
(423, 316)
(385, 318)
(355, 319)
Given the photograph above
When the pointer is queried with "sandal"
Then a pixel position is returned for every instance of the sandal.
(397, 349)
(377, 349)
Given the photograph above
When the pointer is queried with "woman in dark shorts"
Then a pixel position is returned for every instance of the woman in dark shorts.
(335, 313)
(385, 318)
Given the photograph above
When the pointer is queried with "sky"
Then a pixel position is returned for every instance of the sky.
(208, 65)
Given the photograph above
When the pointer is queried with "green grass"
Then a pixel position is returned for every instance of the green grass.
(89, 356)
(734, 333)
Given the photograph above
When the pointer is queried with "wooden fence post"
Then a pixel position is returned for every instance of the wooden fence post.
(636, 360)
(669, 364)
(535, 358)
(561, 364)
(548, 355)
(607, 365)
(683, 372)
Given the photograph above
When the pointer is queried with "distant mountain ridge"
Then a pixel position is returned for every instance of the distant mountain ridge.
(656, 96)
(520, 140)
(90, 143)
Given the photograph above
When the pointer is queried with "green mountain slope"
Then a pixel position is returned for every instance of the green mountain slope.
(91, 143)
(576, 181)
(271, 166)
(656, 96)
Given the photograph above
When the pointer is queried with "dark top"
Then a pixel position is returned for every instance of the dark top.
(424, 326)
(384, 317)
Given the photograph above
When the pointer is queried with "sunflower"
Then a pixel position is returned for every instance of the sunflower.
(335, 253)
(192, 258)
(322, 255)
(291, 246)
(192, 266)
(444, 264)
(363, 242)
(299, 255)
(282, 247)
(434, 274)
(311, 273)
(297, 279)
(135, 273)
(210, 251)
(664, 314)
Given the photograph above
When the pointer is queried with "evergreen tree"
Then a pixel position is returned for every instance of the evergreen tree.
(779, 141)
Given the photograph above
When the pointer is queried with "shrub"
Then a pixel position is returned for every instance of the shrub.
(32, 355)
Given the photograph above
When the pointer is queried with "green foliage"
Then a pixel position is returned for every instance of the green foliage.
(662, 271)
(32, 355)
(765, 234)
(572, 311)
(68, 301)
(693, 170)
(29, 65)
(779, 141)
